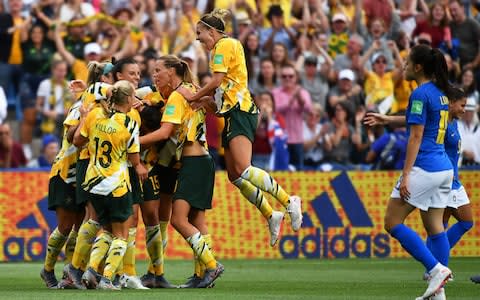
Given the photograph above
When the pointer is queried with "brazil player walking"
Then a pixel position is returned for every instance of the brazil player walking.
(427, 176)
(234, 102)
(196, 177)
(112, 139)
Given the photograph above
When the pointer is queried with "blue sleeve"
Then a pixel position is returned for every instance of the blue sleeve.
(380, 143)
(264, 35)
(417, 107)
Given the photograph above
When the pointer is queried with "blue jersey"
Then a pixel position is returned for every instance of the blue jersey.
(452, 147)
(428, 106)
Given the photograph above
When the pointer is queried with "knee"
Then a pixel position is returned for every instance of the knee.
(64, 228)
(150, 218)
(389, 224)
(235, 172)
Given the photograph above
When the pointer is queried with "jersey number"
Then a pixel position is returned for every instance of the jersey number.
(155, 182)
(442, 126)
(106, 148)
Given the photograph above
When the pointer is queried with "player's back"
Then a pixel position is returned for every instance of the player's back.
(428, 106)
(452, 148)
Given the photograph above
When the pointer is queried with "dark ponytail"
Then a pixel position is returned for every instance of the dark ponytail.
(433, 64)
(456, 94)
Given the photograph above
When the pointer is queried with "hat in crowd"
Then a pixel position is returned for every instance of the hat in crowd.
(92, 48)
(243, 18)
(377, 55)
(471, 104)
(48, 139)
(311, 60)
(346, 74)
(339, 17)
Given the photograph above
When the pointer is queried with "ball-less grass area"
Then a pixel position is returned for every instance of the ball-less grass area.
(336, 279)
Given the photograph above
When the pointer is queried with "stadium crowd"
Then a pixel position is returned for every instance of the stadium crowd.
(315, 68)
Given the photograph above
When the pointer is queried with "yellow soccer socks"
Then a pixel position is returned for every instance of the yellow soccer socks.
(115, 256)
(56, 240)
(254, 195)
(155, 249)
(86, 235)
(200, 247)
(129, 258)
(100, 250)
(70, 245)
(266, 183)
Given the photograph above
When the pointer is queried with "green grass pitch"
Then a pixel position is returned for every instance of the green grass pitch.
(368, 279)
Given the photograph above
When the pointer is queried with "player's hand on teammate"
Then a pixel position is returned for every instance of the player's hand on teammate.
(77, 86)
(186, 93)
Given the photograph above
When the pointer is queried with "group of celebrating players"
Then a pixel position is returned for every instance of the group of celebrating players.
(127, 149)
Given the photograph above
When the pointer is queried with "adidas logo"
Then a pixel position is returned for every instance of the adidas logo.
(341, 242)
(31, 247)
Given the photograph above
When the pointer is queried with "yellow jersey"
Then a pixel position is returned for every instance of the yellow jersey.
(228, 57)
(378, 88)
(190, 123)
(110, 139)
(66, 159)
(91, 97)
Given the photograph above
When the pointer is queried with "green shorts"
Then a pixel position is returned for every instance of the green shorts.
(237, 123)
(111, 209)
(136, 194)
(62, 194)
(196, 179)
(161, 180)
(81, 171)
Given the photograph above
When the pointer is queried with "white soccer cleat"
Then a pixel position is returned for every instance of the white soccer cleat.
(132, 282)
(274, 224)
(440, 295)
(439, 276)
(294, 209)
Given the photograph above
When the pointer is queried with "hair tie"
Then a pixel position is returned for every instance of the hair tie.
(211, 27)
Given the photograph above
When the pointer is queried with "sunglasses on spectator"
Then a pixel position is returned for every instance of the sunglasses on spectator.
(381, 61)
(424, 42)
(288, 76)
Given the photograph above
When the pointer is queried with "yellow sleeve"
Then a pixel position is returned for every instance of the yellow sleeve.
(79, 70)
(135, 115)
(73, 116)
(174, 110)
(89, 121)
(134, 140)
(369, 82)
(222, 56)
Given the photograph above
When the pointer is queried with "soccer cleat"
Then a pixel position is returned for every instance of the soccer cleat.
(210, 276)
(49, 278)
(132, 282)
(294, 209)
(106, 284)
(192, 282)
(91, 278)
(65, 271)
(75, 275)
(440, 295)
(475, 279)
(426, 276)
(162, 283)
(66, 284)
(148, 280)
(439, 276)
(274, 224)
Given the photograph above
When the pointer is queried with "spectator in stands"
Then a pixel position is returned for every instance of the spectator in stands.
(11, 152)
(313, 138)
(403, 88)
(252, 54)
(346, 90)
(11, 26)
(377, 35)
(292, 101)
(314, 79)
(270, 150)
(145, 77)
(351, 59)
(3, 105)
(43, 13)
(37, 55)
(54, 99)
(338, 140)
(379, 83)
(339, 35)
(384, 11)
(75, 8)
(453, 66)
(279, 56)
(469, 86)
(50, 147)
(469, 129)
(467, 31)
(244, 27)
(278, 33)
(266, 80)
(353, 10)
(389, 150)
(436, 24)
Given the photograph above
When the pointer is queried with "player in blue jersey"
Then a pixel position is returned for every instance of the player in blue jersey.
(427, 175)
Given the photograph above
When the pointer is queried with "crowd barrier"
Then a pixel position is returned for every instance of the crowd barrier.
(343, 218)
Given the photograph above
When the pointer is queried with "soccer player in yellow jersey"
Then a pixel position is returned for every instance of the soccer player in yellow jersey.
(61, 198)
(112, 139)
(235, 104)
(194, 190)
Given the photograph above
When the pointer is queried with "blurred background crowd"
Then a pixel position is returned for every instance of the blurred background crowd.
(315, 68)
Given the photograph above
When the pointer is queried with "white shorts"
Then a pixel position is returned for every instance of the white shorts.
(458, 198)
(427, 189)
